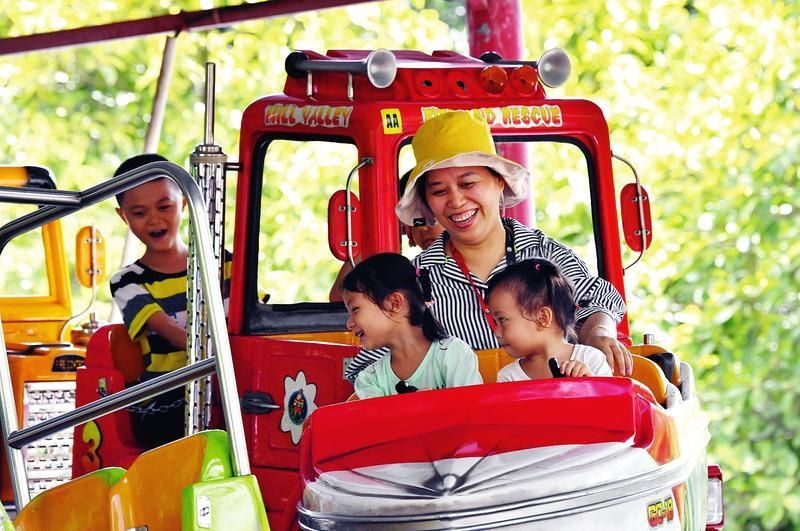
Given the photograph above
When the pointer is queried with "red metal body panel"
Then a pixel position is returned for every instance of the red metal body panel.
(418, 75)
(107, 441)
(481, 420)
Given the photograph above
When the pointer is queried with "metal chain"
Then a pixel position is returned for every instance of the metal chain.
(152, 409)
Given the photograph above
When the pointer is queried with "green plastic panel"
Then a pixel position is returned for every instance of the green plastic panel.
(223, 504)
(5, 521)
(217, 456)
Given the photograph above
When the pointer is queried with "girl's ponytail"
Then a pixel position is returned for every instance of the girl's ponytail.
(382, 274)
(432, 329)
(535, 283)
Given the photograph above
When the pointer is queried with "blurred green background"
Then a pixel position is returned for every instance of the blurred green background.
(704, 97)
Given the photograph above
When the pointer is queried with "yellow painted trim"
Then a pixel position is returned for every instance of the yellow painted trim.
(16, 176)
(57, 304)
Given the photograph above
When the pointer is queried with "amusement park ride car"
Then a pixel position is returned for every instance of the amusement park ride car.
(571, 453)
(43, 352)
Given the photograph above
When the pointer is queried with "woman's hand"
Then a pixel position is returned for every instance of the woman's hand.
(615, 352)
(599, 331)
(575, 368)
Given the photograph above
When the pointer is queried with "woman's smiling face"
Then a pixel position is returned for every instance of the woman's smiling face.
(465, 201)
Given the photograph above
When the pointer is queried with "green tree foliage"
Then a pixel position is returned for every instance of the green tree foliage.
(82, 111)
(703, 97)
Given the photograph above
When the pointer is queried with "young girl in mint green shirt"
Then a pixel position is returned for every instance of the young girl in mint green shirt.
(387, 301)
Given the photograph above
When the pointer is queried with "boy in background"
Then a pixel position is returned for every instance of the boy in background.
(151, 294)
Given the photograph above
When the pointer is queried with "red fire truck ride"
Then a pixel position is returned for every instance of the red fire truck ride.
(599, 453)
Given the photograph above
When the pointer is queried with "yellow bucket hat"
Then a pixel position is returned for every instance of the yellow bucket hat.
(456, 139)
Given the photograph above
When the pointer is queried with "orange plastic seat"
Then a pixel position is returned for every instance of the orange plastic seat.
(490, 362)
(126, 353)
(81, 504)
(650, 374)
(149, 495)
(654, 350)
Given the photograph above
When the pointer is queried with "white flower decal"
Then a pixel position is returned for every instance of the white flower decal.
(298, 404)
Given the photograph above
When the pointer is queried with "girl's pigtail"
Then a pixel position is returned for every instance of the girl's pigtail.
(424, 279)
(431, 327)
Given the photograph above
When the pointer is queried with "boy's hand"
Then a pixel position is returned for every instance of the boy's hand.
(575, 368)
(168, 328)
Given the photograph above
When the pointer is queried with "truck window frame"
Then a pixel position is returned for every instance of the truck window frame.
(282, 318)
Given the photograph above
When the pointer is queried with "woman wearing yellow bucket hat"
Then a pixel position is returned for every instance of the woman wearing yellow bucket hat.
(461, 183)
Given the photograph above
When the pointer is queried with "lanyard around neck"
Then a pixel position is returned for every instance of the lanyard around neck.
(462, 265)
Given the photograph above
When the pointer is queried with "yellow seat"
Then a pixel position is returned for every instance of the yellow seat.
(490, 361)
(149, 495)
(79, 505)
(644, 370)
(650, 374)
(654, 350)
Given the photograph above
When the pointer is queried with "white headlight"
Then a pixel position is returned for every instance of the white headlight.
(554, 67)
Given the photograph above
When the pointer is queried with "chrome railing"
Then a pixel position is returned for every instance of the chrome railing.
(56, 204)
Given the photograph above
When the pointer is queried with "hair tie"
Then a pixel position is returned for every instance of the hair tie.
(429, 304)
(416, 272)
(537, 266)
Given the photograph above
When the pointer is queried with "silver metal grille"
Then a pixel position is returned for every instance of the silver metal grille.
(48, 461)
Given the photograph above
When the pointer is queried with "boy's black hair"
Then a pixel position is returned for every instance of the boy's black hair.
(134, 162)
(535, 283)
(382, 274)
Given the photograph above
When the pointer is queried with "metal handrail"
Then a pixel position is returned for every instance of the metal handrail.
(114, 402)
(349, 208)
(60, 203)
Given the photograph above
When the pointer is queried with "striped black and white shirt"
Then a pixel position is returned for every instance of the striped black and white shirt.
(457, 308)
(140, 292)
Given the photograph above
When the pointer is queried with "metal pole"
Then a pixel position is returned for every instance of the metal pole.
(208, 168)
(29, 196)
(208, 273)
(151, 141)
(183, 21)
(495, 26)
(112, 403)
(16, 463)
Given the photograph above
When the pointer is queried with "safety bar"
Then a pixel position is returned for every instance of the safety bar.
(40, 197)
(112, 403)
(59, 203)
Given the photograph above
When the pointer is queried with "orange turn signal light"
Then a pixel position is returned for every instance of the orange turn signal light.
(524, 79)
(493, 78)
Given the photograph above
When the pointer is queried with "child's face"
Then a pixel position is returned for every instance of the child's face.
(368, 321)
(520, 335)
(153, 213)
(423, 236)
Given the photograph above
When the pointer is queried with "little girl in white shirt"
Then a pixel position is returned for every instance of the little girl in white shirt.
(533, 305)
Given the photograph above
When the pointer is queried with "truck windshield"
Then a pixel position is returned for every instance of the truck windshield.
(23, 268)
(294, 263)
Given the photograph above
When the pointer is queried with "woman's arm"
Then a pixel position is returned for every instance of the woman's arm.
(600, 331)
